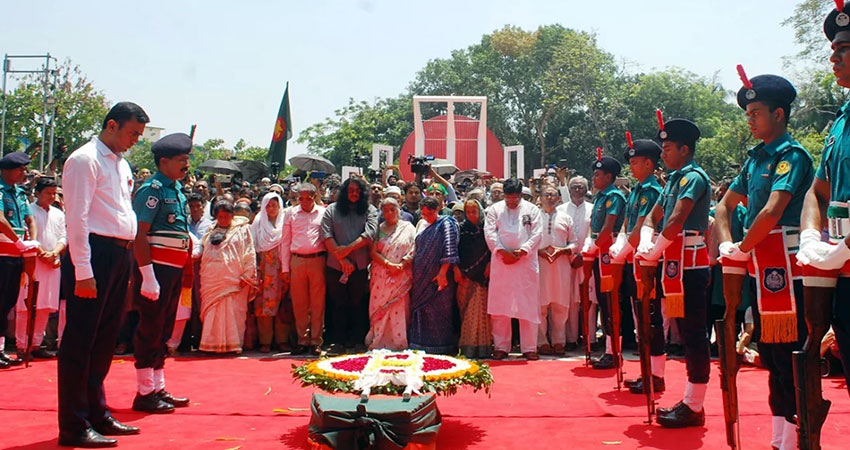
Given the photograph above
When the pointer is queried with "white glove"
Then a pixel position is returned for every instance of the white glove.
(618, 245)
(812, 248)
(732, 251)
(25, 246)
(150, 287)
(619, 254)
(654, 253)
(833, 260)
(645, 244)
(590, 247)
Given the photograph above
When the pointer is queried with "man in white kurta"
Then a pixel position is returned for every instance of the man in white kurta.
(579, 211)
(512, 231)
(557, 244)
(50, 223)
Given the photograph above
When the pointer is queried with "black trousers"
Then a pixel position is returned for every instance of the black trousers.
(89, 338)
(346, 307)
(693, 328)
(156, 317)
(777, 357)
(10, 285)
(628, 291)
(604, 301)
(841, 324)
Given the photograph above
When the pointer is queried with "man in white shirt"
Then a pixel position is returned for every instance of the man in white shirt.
(512, 231)
(557, 244)
(50, 223)
(579, 210)
(101, 227)
(302, 255)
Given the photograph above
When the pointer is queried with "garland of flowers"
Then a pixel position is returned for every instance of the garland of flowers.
(394, 373)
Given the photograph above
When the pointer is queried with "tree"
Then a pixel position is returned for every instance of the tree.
(80, 109)
(807, 22)
(357, 126)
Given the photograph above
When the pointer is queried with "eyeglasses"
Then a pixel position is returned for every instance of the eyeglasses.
(578, 188)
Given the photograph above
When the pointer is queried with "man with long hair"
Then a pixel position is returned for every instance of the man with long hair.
(348, 227)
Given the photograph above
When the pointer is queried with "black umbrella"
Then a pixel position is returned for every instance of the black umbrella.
(253, 171)
(309, 163)
(219, 166)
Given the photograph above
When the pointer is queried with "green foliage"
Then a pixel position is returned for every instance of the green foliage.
(807, 23)
(140, 156)
(359, 125)
(80, 109)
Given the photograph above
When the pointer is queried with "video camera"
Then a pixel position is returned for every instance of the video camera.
(419, 164)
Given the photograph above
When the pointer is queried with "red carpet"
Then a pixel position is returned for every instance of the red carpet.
(252, 403)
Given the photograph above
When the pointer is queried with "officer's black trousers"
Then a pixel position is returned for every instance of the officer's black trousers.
(89, 338)
(692, 327)
(628, 291)
(156, 317)
(841, 324)
(10, 285)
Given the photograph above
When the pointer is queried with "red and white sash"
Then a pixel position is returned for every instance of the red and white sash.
(774, 266)
(686, 252)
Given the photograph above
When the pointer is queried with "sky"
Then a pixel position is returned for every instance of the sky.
(223, 65)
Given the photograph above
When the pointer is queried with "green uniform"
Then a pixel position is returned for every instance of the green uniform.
(14, 205)
(688, 182)
(641, 201)
(782, 165)
(835, 162)
(161, 203)
(609, 201)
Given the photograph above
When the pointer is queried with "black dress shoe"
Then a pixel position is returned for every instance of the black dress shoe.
(151, 403)
(11, 362)
(4, 365)
(670, 409)
(605, 362)
(682, 416)
(42, 353)
(112, 427)
(631, 381)
(178, 402)
(87, 439)
(657, 386)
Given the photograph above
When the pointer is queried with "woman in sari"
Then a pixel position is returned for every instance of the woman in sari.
(434, 318)
(392, 277)
(473, 275)
(228, 279)
(266, 230)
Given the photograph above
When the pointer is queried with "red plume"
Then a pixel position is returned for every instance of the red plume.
(599, 153)
(629, 140)
(660, 119)
(744, 79)
(839, 5)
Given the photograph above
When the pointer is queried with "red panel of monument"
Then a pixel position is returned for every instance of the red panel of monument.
(466, 145)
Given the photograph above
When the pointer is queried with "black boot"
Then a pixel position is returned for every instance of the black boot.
(681, 416)
(657, 385)
(151, 403)
(605, 362)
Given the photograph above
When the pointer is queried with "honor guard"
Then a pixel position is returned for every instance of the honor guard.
(682, 214)
(826, 272)
(163, 253)
(643, 156)
(17, 239)
(605, 221)
(773, 184)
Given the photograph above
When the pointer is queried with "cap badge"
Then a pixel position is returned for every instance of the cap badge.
(662, 134)
(842, 19)
(631, 152)
(750, 94)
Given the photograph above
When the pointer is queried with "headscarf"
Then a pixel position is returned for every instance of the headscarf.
(438, 187)
(267, 235)
(472, 247)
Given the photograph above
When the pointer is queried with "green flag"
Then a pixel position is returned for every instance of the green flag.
(282, 132)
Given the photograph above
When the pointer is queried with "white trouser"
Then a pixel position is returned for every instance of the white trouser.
(554, 317)
(573, 322)
(502, 334)
(177, 333)
(41, 316)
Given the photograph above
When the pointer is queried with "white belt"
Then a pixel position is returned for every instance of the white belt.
(694, 241)
(171, 242)
(838, 218)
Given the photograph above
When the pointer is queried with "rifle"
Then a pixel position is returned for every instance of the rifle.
(812, 408)
(614, 304)
(584, 296)
(647, 280)
(726, 339)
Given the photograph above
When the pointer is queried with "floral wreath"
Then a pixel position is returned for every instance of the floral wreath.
(393, 373)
